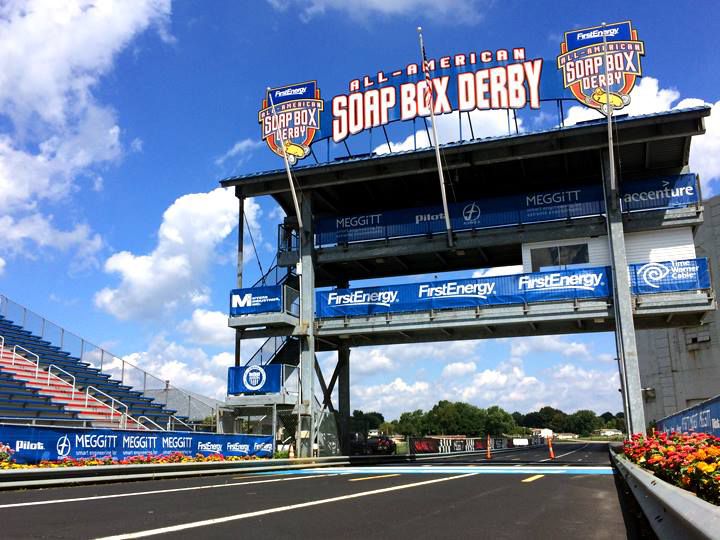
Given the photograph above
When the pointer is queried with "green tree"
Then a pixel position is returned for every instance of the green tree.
(533, 420)
(412, 424)
(498, 421)
(518, 417)
(583, 422)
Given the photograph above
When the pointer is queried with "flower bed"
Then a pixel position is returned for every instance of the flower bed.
(689, 461)
(6, 461)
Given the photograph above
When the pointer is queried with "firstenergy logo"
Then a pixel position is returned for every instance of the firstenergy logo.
(557, 282)
(362, 298)
(457, 290)
(610, 32)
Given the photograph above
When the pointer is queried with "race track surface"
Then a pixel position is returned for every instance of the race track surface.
(516, 495)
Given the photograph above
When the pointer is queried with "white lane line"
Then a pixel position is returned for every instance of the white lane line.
(563, 455)
(139, 493)
(236, 517)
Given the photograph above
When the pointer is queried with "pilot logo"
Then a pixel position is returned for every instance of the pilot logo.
(652, 274)
(254, 378)
(63, 446)
(590, 66)
(289, 118)
(471, 212)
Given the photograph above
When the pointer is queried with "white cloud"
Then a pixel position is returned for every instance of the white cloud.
(555, 344)
(2, 266)
(459, 11)
(458, 369)
(52, 56)
(172, 274)
(648, 97)
(392, 398)
(242, 148)
(188, 368)
(367, 362)
(39, 231)
(484, 124)
(208, 328)
(705, 150)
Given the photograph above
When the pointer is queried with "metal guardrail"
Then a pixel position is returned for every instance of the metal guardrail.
(672, 512)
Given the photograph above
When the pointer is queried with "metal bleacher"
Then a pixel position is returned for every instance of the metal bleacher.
(17, 401)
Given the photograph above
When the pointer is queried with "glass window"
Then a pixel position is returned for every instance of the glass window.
(559, 257)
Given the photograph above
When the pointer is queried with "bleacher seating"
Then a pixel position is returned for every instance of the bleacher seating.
(86, 375)
(20, 403)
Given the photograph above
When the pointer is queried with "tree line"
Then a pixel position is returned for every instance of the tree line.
(458, 418)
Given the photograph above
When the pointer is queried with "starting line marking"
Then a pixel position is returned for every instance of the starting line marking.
(236, 517)
(372, 477)
(533, 478)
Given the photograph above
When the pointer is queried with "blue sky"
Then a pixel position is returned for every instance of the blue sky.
(114, 133)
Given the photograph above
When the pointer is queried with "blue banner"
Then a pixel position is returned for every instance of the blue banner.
(576, 39)
(256, 300)
(465, 293)
(702, 418)
(666, 192)
(670, 276)
(255, 379)
(649, 278)
(34, 444)
(559, 204)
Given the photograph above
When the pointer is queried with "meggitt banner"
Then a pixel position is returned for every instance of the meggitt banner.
(656, 193)
(33, 444)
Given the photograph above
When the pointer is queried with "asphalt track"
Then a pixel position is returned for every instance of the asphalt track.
(518, 495)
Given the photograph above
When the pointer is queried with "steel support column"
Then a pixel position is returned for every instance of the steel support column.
(239, 276)
(307, 325)
(624, 324)
(343, 368)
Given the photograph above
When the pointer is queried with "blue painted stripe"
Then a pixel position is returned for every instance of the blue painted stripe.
(522, 470)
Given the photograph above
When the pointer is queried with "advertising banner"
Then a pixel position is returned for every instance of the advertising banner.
(424, 446)
(256, 300)
(33, 444)
(465, 293)
(703, 418)
(255, 379)
(670, 276)
(535, 207)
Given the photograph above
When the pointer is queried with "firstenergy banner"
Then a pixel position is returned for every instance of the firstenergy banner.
(462, 293)
(648, 278)
(34, 444)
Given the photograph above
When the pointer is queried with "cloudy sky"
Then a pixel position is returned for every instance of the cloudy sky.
(117, 119)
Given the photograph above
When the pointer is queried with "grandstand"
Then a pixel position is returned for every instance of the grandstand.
(41, 383)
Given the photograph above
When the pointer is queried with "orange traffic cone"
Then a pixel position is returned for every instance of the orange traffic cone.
(550, 446)
(291, 451)
(488, 453)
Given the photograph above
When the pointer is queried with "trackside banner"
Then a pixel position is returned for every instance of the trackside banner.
(34, 444)
(648, 278)
(702, 418)
(462, 293)
(254, 379)
(665, 192)
(663, 277)
(256, 300)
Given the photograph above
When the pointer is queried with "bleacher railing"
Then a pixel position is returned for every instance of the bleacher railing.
(117, 368)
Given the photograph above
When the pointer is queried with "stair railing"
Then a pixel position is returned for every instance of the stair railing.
(36, 363)
(123, 416)
(142, 418)
(176, 419)
(61, 370)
